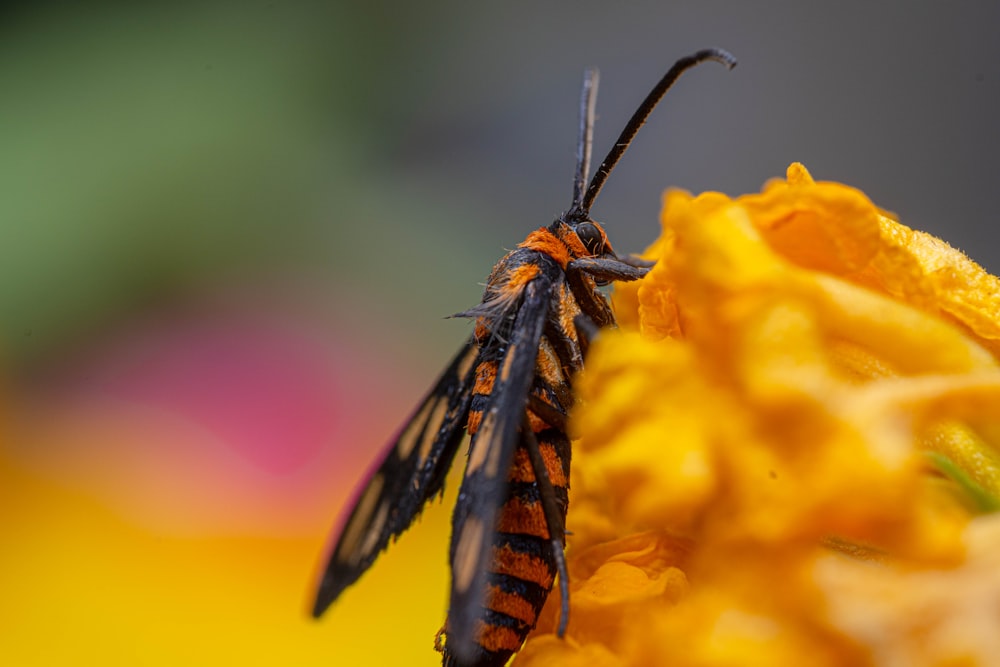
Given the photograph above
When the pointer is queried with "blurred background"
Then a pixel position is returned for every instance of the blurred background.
(230, 233)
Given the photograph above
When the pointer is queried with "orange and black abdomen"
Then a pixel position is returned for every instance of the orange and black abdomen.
(523, 569)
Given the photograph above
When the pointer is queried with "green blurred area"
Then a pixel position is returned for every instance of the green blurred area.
(150, 149)
(143, 149)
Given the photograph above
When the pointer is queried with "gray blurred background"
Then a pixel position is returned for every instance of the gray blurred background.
(383, 154)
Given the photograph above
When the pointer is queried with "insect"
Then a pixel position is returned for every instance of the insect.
(509, 387)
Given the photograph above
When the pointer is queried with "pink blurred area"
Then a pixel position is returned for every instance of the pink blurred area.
(212, 422)
(167, 492)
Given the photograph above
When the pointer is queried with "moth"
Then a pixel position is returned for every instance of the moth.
(510, 388)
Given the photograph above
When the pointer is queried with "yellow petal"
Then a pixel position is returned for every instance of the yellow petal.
(804, 398)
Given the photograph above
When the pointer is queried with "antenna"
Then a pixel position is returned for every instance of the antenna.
(581, 209)
(588, 99)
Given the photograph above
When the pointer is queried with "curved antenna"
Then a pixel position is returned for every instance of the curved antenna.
(588, 100)
(639, 118)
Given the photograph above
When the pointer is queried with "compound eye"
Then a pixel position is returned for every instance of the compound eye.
(591, 237)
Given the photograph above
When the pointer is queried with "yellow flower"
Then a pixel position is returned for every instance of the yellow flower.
(785, 453)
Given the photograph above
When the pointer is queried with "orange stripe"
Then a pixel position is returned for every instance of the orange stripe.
(511, 604)
(537, 423)
(486, 376)
(507, 289)
(554, 465)
(545, 241)
(482, 332)
(521, 276)
(475, 418)
(572, 241)
(568, 309)
(548, 365)
(523, 518)
(498, 638)
(521, 469)
(523, 566)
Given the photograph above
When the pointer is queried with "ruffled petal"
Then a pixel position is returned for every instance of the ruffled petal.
(789, 451)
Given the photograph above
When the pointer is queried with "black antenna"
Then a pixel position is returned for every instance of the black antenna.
(588, 98)
(581, 210)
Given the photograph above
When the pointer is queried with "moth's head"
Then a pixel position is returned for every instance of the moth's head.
(585, 238)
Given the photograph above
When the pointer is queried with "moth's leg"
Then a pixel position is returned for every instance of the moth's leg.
(594, 304)
(548, 413)
(607, 269)
(561, 340)
(635, 260)
(586, 332)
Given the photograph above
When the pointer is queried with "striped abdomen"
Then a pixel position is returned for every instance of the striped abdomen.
(523, 568)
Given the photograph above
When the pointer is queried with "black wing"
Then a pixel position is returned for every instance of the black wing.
(490, 457)
(413, 470)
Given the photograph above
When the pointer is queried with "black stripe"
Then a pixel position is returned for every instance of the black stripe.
(558, 396)
(570, 357)
(528, 545)
(492, 350)
(480, 656)
(529, 591)
(550, 435)
(529, 492)
(502, 620)
(560, 443)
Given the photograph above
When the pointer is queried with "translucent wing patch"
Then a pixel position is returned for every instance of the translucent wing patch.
(413, 471)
